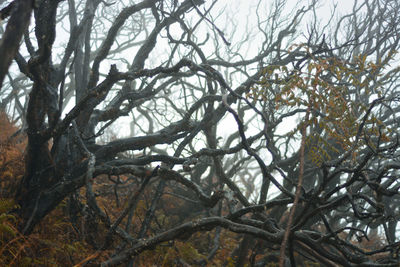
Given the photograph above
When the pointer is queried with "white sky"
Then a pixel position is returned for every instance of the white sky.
(241, 20)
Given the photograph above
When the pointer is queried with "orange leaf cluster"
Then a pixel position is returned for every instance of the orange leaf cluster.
(11, 156)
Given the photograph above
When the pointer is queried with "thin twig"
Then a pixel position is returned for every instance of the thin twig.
(298, 190)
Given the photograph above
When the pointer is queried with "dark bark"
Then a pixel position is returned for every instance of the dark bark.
(179, 96)
(20, 14)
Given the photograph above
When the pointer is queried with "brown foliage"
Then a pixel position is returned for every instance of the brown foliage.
(11, 156)
(55, 242)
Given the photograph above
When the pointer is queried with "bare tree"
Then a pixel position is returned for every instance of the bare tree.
(285, 132)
